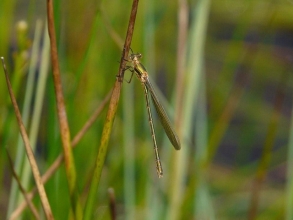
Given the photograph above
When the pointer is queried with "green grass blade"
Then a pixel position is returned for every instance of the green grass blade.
(129, 152)
(37, 108)
(194, 61)
(21, 157)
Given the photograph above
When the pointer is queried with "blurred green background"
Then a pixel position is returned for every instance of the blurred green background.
(228, 92)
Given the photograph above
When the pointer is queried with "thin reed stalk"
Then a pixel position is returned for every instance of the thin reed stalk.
(29, 152)
(193, 78)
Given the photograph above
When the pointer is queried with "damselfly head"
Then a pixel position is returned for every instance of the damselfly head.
(135, 56)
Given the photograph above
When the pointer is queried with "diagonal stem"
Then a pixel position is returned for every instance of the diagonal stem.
(110, 116)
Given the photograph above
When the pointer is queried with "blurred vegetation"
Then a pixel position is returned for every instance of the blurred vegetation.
(233, 116)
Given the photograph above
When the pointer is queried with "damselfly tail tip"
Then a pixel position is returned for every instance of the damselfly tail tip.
(160, 175)
(159, 169)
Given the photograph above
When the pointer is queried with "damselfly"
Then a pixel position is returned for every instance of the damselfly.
(142, 75)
